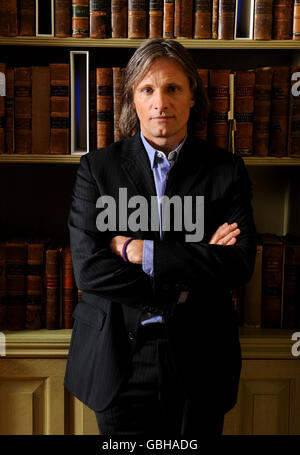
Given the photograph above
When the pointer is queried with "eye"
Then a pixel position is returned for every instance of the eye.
(147, 90)
(173, 89)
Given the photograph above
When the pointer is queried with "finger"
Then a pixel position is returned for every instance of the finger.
(222, 231)
(224, 240)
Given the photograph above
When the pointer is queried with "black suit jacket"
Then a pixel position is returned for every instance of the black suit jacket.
(202, 331)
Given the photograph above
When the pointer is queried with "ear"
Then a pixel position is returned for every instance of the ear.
(192, 102)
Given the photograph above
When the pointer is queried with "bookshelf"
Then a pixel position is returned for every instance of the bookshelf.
(45, 179)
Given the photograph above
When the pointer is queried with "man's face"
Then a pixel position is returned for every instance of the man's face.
(163, 100)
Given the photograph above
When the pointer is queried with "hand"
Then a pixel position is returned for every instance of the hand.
(225, 235)
(134, 250)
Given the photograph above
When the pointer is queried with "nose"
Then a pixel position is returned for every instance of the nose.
(160, 102)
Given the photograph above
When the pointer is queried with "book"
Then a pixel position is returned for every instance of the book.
(291, 294)
(59, 108)
(44, 22)
(53, 287)
(168, 19)
(201, 130)
(119, 15)
(226, 16)
(35, 281)
(262, 111)
(183, 19)
(63, 18)
(203, 19)
(263, 14)
(26, 17)
(92, 112)
(40, 109)
(244, 19)
(137, 19)
(244, 108)
(68, 289)
(3, 298)
(118, 78)
(155, 18)
(9, 112)
(294, 114)
(279, 111)
(282, 19)
(253, 293)
(23, 109)
(100, 19)
(219, 102)
(104, 88)
(296, 20)
(2, 108)
(8, 18)
(80, 18)
(215, 19)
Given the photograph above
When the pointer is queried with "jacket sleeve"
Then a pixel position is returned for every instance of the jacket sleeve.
(96, 268)
(193, 265)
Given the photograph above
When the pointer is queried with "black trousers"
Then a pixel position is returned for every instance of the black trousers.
(151, 401)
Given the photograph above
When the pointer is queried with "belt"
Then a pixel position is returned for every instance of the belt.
(152, 331)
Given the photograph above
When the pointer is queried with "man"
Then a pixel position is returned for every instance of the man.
(155, 346)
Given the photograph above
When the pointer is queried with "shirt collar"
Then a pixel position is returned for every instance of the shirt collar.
(152, 152)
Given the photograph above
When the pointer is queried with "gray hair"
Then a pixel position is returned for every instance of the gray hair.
(137, 68)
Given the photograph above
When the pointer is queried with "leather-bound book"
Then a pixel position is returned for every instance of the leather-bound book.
(53, 287)
(59, 108)
(26, 17)
(203, 18)
(219, 107)
(226, 19)
(2, 113)
(100, 19)
(8, 18)
(62, 18)
(296, 20)
(291, 292)
(68, 289)
(282, 19)
(263, 13)
(104, 87)
(215, 19)
(168, 19)
(9, 112)
(35, 280)
(3, 299)
(262, 111)
(273, 248)
(183, 20)
(93, 113)
(118, 78)
(244, 108)
(279, 111)
(16, 261)
(23, 110)
(119, 18)
(201, 129)
(252, 296)
(137, 18)
(155, 18)
(294, 116)
(40, 109)
(80, 18)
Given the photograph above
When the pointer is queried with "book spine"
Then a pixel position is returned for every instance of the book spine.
(201, 129)
(271, 286)
(244, 108)
(279, 111)
(16, 285)
(80, 18)
(68, 287)
(183, 21)
(203, 19)
(118, 78)
(104, 96)
(291, 296)
(8, 18)
(296, 20)
(3, 298)
(219, 102)
(59, 108)
(35, 261)
(26, 17)
(215, 19)
(53, 289)
(9, 112)
(40, 109)
(23, 110)
(62, 18)
(294, 117)
(2, 113)
(282, 19)
(100, 19)
(252, 296)
(93, 113)
(155, 18)
(168, 19)
(137, 18)
(226, 19)
(119, 15)
(262, 111)
(263, 14)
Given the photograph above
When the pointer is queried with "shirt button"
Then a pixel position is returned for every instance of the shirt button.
(131, 335)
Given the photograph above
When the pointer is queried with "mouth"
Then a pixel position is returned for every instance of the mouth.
(162, 117)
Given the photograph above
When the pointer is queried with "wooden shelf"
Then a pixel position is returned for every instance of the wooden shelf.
(133, 43)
